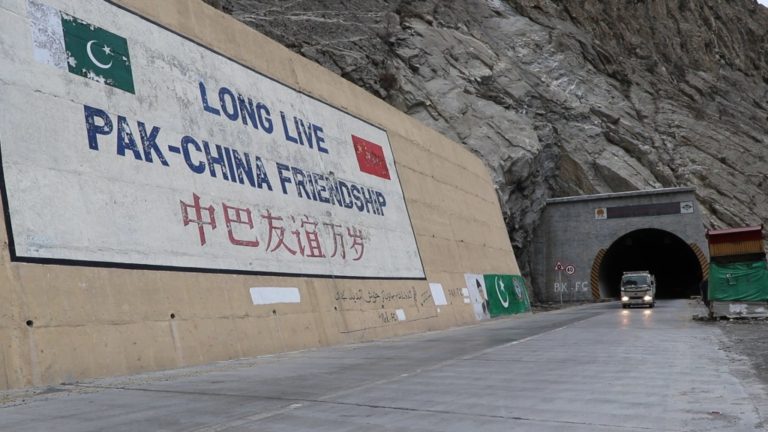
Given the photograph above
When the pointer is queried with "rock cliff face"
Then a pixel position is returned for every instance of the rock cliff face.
(562, 97)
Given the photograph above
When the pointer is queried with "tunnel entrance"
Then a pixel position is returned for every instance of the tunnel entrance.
(673, 262)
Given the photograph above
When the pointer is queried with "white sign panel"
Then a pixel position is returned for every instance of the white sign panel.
(400, 314)
(438, 294)
(686, 207)
(274, 295)
(123, 143)
(601, 213)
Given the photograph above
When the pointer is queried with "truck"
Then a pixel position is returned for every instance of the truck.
(638, 288)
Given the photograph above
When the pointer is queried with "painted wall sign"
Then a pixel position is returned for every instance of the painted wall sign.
(123, 143)
(644, 210)
(494, 295)
(477, 295)
(506, 294)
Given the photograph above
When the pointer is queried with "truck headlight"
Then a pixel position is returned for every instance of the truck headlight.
(625, 298)
(647, 298)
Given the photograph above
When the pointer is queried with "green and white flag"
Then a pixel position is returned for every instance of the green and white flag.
(69, 43)
(507, 294)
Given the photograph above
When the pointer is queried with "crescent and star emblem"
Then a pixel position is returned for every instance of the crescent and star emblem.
(499, 289)
(107, 50)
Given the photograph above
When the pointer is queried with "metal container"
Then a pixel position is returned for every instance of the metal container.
(736, 241)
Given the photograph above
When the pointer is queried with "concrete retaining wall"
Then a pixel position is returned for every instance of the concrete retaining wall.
(60, 323)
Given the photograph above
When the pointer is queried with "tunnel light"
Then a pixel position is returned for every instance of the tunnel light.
(625, 298)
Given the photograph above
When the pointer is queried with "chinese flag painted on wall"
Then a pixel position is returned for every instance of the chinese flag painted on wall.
(370, 157)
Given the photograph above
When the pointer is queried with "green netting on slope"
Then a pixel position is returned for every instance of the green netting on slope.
(741, 281)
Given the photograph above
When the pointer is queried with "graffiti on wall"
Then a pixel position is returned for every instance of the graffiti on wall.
(375, 296)
(572, 287)
(148, 149)
(568, 284)
(372, 308)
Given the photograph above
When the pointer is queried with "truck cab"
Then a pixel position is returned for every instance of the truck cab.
(638, 288)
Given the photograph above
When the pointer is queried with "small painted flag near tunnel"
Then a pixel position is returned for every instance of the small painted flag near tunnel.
(370, 157)
(83, 49)
(507, 294)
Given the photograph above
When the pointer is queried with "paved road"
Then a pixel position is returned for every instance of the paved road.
(594, 368)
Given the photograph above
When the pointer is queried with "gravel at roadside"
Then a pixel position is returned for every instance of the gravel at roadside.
(748, 338)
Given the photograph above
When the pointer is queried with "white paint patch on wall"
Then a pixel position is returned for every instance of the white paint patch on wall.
(400, 314)
(438, 295)
(738, 308)
(274, 295)
(47, 35)
(465, 295)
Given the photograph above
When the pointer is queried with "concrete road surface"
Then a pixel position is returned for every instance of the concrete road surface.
(593, 368)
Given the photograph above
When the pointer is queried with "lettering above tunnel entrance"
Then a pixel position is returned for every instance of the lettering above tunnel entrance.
(644, 210)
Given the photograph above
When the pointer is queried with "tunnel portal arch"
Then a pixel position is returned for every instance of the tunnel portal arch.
(674, 262)
(583, 244)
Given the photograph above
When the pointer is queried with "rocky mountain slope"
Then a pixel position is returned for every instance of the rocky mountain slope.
(562, 97)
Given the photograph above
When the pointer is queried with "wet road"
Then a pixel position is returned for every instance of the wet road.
(591, 368)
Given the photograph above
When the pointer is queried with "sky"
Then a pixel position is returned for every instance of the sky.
(763, 2)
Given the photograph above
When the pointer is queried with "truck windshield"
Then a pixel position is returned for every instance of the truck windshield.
(633, 281)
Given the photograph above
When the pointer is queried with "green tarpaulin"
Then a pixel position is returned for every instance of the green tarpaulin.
(506, 294)
(742, 281)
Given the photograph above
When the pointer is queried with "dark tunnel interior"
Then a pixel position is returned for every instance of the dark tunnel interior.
(665, 255)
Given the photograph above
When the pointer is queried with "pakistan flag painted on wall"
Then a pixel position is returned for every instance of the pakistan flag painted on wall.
(97, 54)
(83, 49)
(506, 294)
